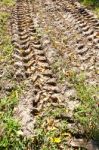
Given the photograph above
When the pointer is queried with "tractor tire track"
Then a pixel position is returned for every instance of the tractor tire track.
(86, 52)
(31, 62)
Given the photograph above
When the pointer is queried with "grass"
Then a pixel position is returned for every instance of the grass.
(48, 134)
(87, 112)
(93, 4)
(11, 137)
(96, 11)
(7, 2)
(59, 68)
(5, 39)
(10, 134)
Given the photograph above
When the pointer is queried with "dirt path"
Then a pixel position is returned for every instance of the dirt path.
(43, 32)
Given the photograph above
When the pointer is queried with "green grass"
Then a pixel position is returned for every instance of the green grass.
(92, 4)
(10, 134)
(48, 134)
(7, 2)
(87, 112)
(5, 39)
(96, 11)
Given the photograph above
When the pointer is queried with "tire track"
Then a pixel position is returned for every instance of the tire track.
(86, 51)
(31, 62)
(52, 16)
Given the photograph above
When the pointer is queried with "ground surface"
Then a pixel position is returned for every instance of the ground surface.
(53, 71)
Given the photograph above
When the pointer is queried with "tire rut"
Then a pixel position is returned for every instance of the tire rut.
(31, 63)
(85, 51)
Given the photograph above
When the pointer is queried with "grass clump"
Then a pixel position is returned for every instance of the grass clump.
(87, 112)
